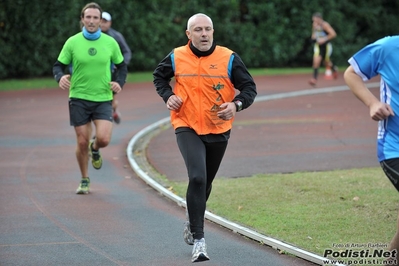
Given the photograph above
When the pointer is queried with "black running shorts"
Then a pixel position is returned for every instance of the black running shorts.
(391, 169)
(82, 112)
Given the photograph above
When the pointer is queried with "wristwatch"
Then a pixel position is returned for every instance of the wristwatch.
(238, 104)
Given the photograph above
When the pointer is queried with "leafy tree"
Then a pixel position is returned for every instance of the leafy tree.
(274, 33)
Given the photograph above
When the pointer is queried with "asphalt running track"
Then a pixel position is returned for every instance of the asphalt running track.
(126, 222)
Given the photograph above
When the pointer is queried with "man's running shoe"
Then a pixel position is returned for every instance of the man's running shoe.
(187, 235)
(335, 72)
(84, 186)
(96, 159)
(313, 82)
(199, 251)
(116, 116)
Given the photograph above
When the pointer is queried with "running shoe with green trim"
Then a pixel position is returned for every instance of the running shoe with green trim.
(96, 159)
(84, 186)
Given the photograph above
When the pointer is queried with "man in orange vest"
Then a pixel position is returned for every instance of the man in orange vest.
(202, 107)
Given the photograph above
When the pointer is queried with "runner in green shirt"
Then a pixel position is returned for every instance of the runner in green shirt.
(91, 54)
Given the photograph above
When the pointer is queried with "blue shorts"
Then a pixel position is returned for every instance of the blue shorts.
(82, 112)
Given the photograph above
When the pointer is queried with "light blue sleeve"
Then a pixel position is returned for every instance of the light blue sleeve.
(366, 62)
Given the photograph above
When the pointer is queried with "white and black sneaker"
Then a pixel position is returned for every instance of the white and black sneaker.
(199, 251)
(187, 235)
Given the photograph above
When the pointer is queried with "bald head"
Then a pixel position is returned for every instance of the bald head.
(192, 20)
(200, 31)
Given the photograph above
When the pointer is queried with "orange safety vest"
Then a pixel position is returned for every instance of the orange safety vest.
(204, 84)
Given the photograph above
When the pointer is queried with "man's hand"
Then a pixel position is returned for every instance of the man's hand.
(380, 111)
(228, 112)
(322, 40)
(115, 87)
(65, 82)
(174, 103)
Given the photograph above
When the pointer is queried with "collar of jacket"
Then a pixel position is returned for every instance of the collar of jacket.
(201, 53)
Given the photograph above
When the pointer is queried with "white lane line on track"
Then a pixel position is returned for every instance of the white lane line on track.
(274, 243)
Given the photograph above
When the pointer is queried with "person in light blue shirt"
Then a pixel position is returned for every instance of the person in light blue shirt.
(380, 58)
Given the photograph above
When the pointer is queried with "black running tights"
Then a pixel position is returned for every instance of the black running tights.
(202, 161)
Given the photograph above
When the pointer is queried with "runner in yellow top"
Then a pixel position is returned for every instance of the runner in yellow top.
(322, 34)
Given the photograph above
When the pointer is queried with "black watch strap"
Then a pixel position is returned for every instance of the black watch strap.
(238, 104)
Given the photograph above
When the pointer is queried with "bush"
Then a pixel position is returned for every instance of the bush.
(274, 33)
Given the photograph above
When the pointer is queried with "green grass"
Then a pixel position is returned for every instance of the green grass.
(49, 82)
(310, 210)
(27, 84)
(280, 71)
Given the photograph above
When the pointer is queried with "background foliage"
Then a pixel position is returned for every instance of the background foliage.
(273, 33)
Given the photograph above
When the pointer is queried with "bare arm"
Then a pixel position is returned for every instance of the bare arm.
(331, 34)
(378, 110)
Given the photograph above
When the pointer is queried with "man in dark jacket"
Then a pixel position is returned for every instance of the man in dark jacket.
(202, 104)
(106, 24)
